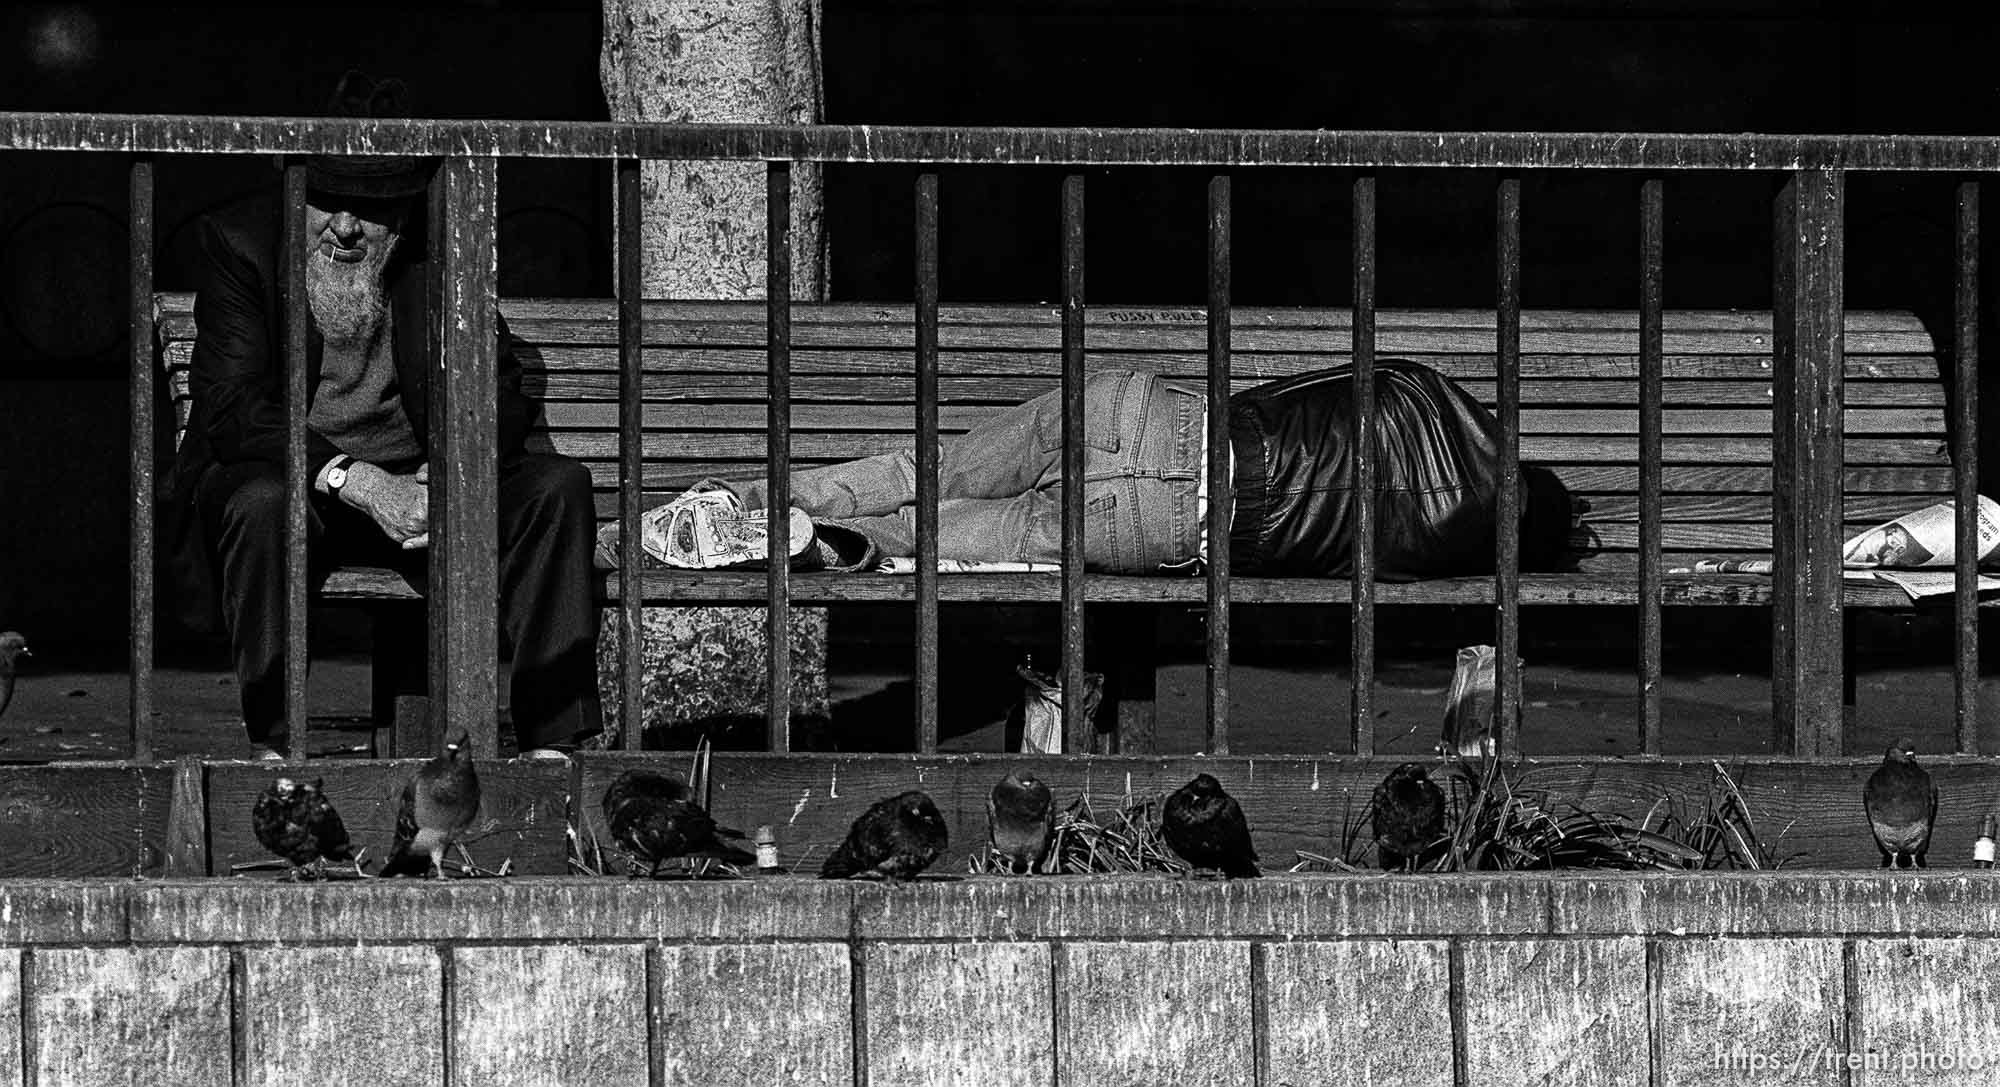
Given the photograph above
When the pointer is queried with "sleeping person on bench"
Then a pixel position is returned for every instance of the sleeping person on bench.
(1145, 481)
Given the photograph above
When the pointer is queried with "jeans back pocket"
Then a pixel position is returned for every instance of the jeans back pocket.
(1106, 411)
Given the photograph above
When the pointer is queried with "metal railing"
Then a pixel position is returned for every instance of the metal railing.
(1807, 373)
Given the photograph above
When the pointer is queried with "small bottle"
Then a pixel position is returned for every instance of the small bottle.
(767, 850)
(1982, 850)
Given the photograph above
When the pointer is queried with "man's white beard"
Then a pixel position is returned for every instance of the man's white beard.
(346, 299)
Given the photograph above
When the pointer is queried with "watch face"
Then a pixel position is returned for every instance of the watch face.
(336, 479)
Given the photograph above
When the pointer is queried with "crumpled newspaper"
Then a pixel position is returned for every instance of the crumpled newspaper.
(1915, 551)
(1925, 537)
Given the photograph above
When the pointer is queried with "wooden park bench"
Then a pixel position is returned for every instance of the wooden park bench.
(853, 394)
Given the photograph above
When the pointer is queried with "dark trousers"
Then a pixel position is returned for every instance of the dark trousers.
(547, 613)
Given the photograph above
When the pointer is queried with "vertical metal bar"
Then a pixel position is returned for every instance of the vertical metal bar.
(464, 463)
(1507, 518)
(296, 410)
(1807, 455)
(1652, 398)
(778, 453)
(1965, 463)
(1784, 286)
(1220, 496)
(1361, 697)
(1075, 726)
(927, 462)
(144, 380)
(631, 458)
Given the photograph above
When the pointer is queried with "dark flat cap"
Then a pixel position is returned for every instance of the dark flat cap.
(373, 176)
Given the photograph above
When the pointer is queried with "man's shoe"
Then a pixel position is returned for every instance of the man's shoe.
(707, 528)
(549, 754)
(266, 753)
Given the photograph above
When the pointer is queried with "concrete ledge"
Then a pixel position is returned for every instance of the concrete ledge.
(477, 910)
(66, 911)
(1149, 906)
(1136, 907)
(1927, 903)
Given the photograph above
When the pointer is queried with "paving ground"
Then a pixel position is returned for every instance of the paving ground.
(72, 702)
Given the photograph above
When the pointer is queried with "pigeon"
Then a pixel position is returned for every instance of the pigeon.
(1205, 826)
(897, 837)
(12, 647)
(1901, 802)
(294, 820)
(439, 803)
(1019, 817)
(1408, 815)
(651, 816)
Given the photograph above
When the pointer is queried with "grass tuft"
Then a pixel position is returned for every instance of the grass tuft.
(1495, 823)
(1125, 839)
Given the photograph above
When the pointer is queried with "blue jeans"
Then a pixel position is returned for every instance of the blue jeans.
(1000, 484)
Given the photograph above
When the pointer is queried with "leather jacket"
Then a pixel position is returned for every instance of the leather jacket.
(1437, 472)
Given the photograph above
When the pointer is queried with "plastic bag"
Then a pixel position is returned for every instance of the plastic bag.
(1042, 708)
(1468, 708)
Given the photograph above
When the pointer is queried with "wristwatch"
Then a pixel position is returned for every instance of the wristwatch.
(336, 474)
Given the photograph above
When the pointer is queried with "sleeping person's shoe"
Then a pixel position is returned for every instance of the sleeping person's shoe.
(839, 548)
(707, 528)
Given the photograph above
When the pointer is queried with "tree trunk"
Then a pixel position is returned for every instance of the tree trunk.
(710, 62)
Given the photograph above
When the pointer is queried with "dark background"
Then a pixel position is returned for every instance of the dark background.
(1643, 65)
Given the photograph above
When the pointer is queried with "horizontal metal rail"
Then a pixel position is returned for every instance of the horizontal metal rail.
(1018, 146)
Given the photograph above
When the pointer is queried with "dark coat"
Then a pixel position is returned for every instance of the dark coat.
(1437, 470)
(238, 383)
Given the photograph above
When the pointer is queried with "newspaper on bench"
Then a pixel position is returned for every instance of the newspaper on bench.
(900, 565)
(1914, 551)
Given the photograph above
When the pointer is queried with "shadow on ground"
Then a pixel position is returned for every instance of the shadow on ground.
(1288, 685)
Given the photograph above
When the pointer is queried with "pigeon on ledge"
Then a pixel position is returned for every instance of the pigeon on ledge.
(439, 804)
(1901, 801)
(296, 821)
(1020, 816)
(1408, 816)
(897, 837)
(1206, 827)
(650, 815)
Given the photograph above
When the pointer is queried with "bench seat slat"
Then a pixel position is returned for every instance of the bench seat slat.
(1754, 508)
(1115, 338)
(1716, 536)
(373, 585)
(1605, 509)
(544, 362)
(678, 416)
(175, 311)
(1703, 537)
(1915, 486)
(1255, 367)
(1549, 449)
(171, 305)
(998, 389)
(871, 314)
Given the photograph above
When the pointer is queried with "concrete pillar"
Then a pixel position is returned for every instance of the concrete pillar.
(712, 62)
